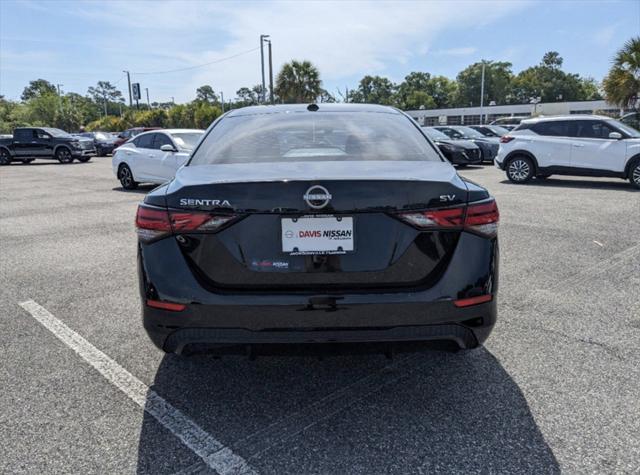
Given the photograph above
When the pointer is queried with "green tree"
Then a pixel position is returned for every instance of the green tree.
(443, 90)
(414, 91)
(105, 94)
(549, 82)
(497, 83)
(37, 88)
(298, 82)
(374, 90)
(622, 84)
(590, 89)
(206, 94)
(248, 96)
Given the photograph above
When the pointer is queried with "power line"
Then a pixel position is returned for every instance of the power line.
(200, 65)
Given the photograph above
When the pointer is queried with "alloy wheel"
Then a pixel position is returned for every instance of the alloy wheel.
(5, 159)
(636, 174)
(64, 156)
(519, 170)
(125, 177)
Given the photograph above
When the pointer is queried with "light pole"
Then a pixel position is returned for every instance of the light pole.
(129, 83)
(270, 74)
(262, 39)
(148, 103)
(482, 95)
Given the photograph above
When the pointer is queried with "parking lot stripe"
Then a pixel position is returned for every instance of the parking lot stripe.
(218, 457)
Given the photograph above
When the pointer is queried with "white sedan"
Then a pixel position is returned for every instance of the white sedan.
(154, 156)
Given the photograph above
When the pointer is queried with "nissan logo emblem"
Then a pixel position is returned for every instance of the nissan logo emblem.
(317, 197)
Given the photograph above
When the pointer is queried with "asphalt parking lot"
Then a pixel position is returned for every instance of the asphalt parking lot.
(555, 388)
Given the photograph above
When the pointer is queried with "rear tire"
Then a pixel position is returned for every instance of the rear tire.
(5, 157)
(634, 174)
(126, 177)
(520, 169)
(63, 154)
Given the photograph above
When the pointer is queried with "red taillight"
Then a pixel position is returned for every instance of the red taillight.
(153, 223)
(472, 301)
(481, 218)
(506, 139)
(438, 218)
(171, 306)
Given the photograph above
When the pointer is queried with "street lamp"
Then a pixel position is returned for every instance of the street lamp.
(263, 38)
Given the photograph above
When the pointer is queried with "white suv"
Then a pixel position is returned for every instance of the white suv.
(584, 145)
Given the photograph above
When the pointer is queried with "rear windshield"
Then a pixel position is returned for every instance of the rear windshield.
(317, 136)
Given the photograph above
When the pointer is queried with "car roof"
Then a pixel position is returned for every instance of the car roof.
(323, 107)
(543, 118)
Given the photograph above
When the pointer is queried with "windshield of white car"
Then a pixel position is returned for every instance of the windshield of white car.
(435, 134)
(630, 131)
(321, 136)
(56, 132)
(187, 140)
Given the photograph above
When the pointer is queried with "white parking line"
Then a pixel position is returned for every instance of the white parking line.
(218, 457)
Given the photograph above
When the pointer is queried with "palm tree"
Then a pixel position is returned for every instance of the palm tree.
(298, 82)
(622, 84)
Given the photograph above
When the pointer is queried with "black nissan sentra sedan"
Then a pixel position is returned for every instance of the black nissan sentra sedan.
(317, 223)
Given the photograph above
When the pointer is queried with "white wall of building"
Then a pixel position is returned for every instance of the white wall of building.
(471, 115)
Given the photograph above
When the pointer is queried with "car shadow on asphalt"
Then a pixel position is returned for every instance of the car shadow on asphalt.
(433, 411)
(560, 183)
(142, 189)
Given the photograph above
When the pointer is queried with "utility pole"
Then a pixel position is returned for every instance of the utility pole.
(104, 100)
(270, 74)
(222, 100)
(148, 103)
(482, 95)
(60, 97)
(262, 38)
(129, 82)
(173, 101)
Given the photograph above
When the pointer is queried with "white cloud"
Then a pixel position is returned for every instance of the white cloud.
(344, 39)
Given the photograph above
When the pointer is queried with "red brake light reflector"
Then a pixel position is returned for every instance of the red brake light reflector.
(483, 218)
(439, 218)
(171, 306)
(473, 301)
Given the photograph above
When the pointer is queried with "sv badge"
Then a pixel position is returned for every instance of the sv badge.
(447, 198)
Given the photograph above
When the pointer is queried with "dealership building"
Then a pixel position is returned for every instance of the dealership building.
(471, 115)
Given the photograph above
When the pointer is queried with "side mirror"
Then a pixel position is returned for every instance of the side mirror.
(168, 148)
(615, 135)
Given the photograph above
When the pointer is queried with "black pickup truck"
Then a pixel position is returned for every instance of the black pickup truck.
(29, 143)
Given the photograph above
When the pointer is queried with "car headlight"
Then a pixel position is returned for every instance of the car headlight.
(446, 146)
(76, 145)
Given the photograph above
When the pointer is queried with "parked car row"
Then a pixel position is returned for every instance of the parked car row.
(570, 145)
(452, 137)
(30, 143)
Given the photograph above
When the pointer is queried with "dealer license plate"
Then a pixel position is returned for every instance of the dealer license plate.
(317, 235)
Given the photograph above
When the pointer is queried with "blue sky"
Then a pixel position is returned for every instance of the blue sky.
(76, 43)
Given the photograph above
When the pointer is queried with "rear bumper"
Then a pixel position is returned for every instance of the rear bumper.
(368, 323)
(305, 317)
